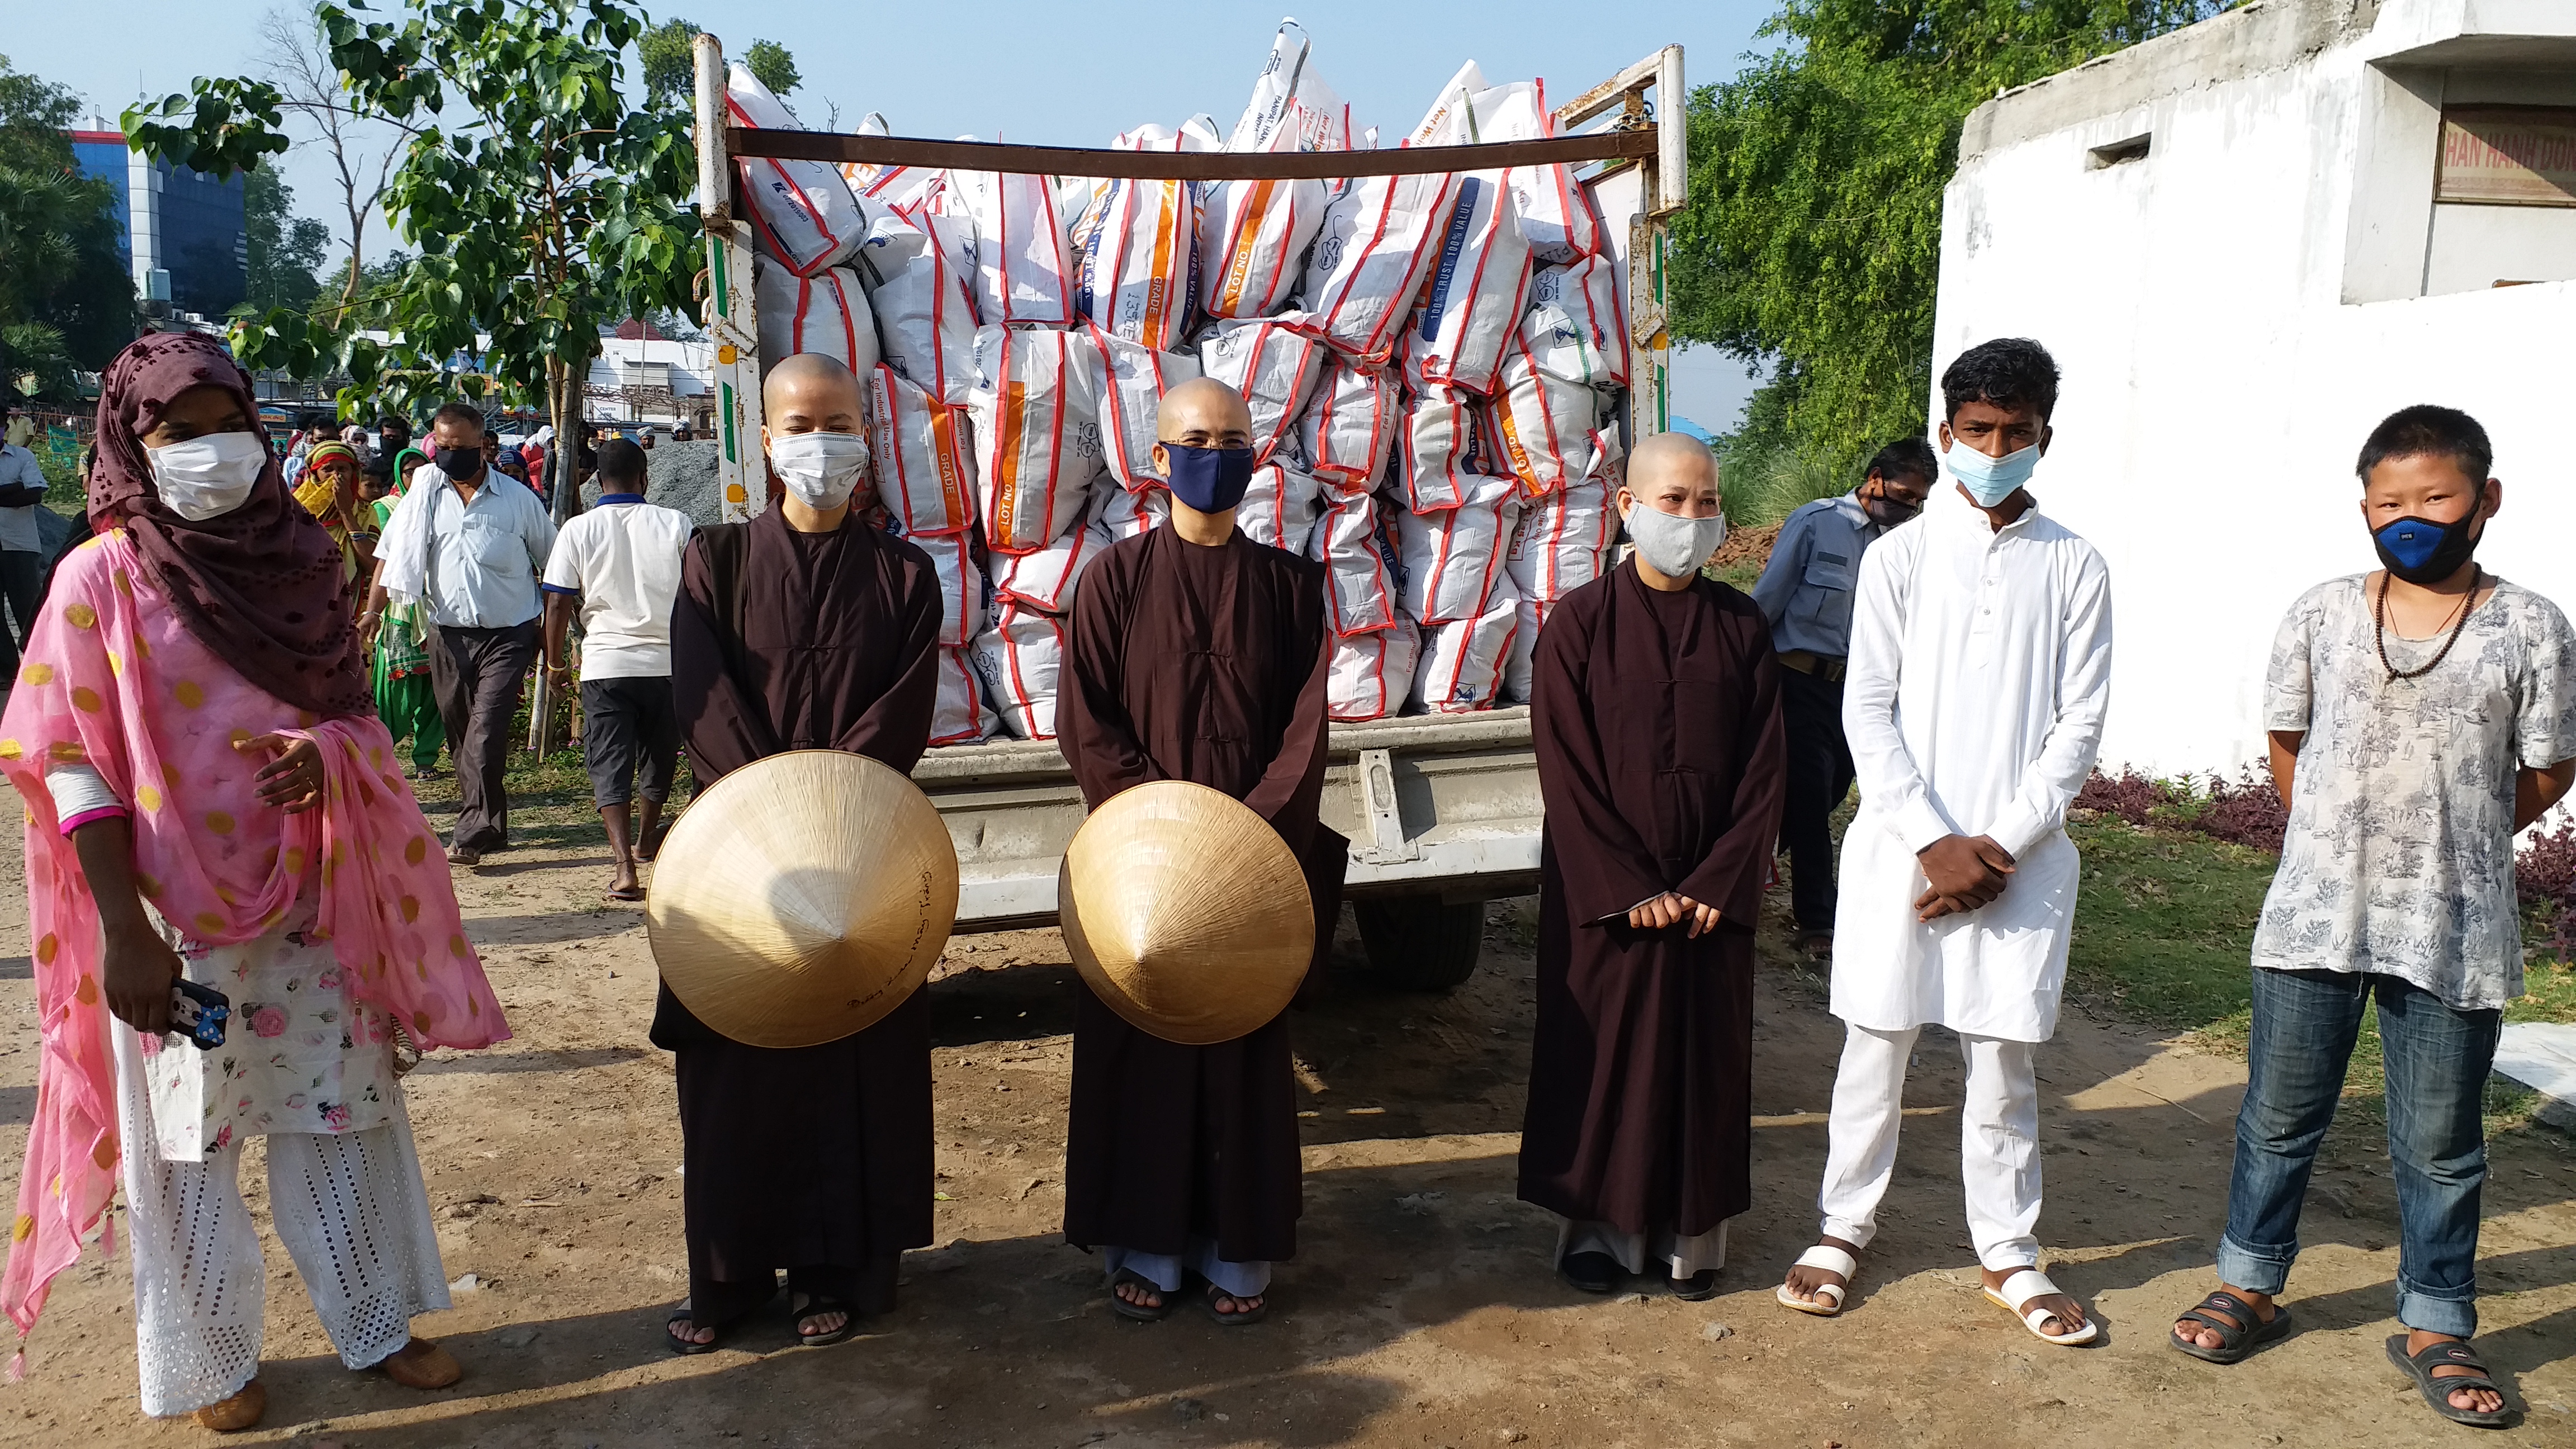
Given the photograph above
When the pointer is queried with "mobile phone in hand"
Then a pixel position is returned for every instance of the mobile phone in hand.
(199, 1013)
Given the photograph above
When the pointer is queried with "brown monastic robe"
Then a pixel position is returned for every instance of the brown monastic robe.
(1206, 665)
(1661, 763)
(817, 1159)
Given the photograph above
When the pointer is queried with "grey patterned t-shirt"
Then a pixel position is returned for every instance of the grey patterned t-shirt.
(2399, 854)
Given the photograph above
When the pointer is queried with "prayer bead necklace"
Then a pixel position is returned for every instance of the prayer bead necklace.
(2379, 626)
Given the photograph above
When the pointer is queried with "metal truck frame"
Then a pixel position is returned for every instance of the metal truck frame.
(1442, 811)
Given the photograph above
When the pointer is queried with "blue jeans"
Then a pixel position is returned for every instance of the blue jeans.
(2437, 1060)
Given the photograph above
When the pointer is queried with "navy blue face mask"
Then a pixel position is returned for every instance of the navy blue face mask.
(1211, 480)
(2421, 551)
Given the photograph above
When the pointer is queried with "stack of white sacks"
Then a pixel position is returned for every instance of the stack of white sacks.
(1432, 363)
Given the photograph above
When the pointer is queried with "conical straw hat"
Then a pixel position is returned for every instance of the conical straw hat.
(802, 898)
(1186, 912)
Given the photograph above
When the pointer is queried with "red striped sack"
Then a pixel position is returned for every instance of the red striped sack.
(1587, 292)
(1274, 363)
(925, 476)
(1372, 673)
(1018, 658)
(1545, 428)
(1377, 241)
(905, 189)
(802, 212)
(1139, 264)
(1452, 558)
(916, 281)
(1279, 508)
(1134, 378)
(1252, 239)
(826, 313)
(961, 584)
(958, 714)
(1350, 424)
(1127, 512)
(1291, 109)
(1443, 450)
(1023, 270)
(1037, 432)
(1462, 663)
(1353, 542)
(1520, 671)
(1562, 540)
(1473, 298)
(1045, 579)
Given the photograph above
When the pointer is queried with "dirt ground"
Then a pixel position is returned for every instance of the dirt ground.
(1420, 1310)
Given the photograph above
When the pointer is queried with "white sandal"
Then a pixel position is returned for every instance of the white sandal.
(2021, 1290)
(1828, 1302)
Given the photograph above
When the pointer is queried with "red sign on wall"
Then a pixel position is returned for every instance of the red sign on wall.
(2508, 155)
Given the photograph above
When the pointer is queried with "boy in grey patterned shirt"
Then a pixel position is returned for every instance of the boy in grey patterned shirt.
(2419, 716)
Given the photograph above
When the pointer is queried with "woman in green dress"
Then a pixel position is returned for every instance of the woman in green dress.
(405, 700)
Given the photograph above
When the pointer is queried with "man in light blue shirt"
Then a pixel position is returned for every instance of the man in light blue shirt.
(1806, 593)
(471, 552)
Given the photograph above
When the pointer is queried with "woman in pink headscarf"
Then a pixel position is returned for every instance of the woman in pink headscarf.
(211, 802)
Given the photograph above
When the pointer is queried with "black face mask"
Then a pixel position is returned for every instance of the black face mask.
(2424, 552)
(460, 463)
(1886, 512)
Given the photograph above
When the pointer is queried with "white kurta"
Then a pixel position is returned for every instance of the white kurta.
(1980, 669)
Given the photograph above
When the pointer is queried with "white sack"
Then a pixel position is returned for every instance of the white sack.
(961, 584)
(925, 469)
(1133, 379)
(906, 189)
(1472, 300)
(1588, 294)
(1037, 432)
(1546, 429)
(1378, 239)
(826, 313)
(1139, 261)
(1462, 663)
(1349, 425)
(1279, 508)
(958, 715)
(1274, 363)
(1453, 557)
(1023, 272)
(1442, 450)
(1018, 658)
(1362, 567)
(1371, 674)
(1126, 512)
(1291, 107)
(1252, 238)
(1562, 540)
(1520, 671)
(802, 212)
(1045, 579)
(915, 275)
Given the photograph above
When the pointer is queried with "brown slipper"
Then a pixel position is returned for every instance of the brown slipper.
(241, 1411)
(421, 1364)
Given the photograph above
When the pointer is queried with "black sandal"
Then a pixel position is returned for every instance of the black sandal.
(1138, 1312)
(1697, 1288)
(2445, 1353)
(676, 1344)
(1591, 1272)
(802, 1306)
(2235, 1340)
(1241, 1317)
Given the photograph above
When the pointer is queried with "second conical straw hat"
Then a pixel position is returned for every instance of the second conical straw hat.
(1185, 912)
(801, 898)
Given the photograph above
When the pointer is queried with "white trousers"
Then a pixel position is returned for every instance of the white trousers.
(1672, 1254)
(350, 1207)
(1165, 1270)
(1998, 1141)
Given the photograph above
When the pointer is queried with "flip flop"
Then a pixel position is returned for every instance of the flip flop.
(626, 893)
(1241, 1318)
(2028, 1286)
(802, 1306)
(1138, 1312)
(1828, 1302)
(1697, 1288)
(2437, 1391)
(2236, 1340)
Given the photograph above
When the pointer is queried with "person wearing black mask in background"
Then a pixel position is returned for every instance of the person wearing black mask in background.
(481, 602)
(393, 434)
(1806, 594)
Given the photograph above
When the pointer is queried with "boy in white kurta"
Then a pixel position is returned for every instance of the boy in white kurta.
(1980, 669)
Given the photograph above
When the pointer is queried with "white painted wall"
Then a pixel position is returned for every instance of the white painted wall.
(2217, 384)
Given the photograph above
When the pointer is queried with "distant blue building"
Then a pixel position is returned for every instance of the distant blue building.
(184, 234)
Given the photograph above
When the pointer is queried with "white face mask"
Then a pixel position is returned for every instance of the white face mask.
(208, 477)
(1672, 545)
(821, 469)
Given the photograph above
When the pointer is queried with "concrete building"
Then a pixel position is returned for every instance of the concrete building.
(2247, 242)
(183, 232)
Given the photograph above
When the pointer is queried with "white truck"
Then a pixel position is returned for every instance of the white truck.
(1442, 811)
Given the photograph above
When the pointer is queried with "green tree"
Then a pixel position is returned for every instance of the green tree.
(671, 67)
(771, 65)
(66, 298)
(285, 249)
(1812, 239)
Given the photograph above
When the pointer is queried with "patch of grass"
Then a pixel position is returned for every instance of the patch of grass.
(2164, 927)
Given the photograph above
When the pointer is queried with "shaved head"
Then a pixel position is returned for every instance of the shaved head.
(1675, 473)
(811, 392)
(1205, 413)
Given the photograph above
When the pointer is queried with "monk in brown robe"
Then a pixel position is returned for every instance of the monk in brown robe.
(1656, 711)
(803, 629)
(1195, 654)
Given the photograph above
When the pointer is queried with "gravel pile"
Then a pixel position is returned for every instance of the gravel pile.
(677, 475)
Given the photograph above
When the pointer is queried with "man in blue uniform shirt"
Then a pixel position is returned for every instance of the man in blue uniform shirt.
(1806, 593)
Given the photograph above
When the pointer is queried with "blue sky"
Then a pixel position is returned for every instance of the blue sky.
(1044, 73)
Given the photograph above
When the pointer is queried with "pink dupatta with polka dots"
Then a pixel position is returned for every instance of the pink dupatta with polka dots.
(112, 680)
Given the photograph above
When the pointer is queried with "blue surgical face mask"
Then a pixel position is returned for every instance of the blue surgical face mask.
(1211, 480)
(1990, 480)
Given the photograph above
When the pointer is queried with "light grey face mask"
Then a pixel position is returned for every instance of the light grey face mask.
(1674, 546)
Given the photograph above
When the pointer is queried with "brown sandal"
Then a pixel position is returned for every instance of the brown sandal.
(241, 1411)
(421, 1364)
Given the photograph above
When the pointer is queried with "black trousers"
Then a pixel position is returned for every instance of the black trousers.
(1820, 775)
(477, 675)
(22, 583)
(631, 728)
